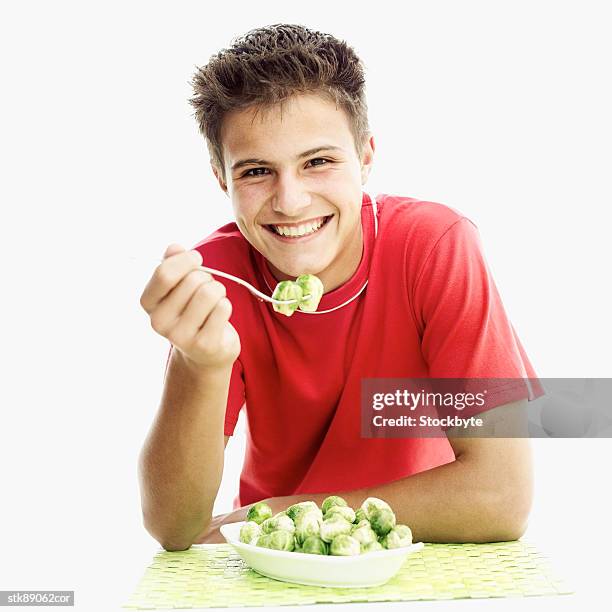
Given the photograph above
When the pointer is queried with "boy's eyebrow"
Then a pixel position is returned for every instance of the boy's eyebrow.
(317, 150)
(263, 162)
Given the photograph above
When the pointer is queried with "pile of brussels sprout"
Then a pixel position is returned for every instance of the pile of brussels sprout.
(333, 529)
(305, 285)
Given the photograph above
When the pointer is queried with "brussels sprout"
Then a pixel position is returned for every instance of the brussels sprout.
(334, 527)
(299, 508)
(371, 504)
(278, 522)
(314, 545)
(371, 547)
(363, 533)
(399, 536)
(360, 516)
(281, 540)
(259, 512)
(332, 500)
(344, 511)
(249, 532)
(362, 523)
(307, 524)
(268, 526)
(344, 545)
(263, 541)
(310, 285)
(287, 290)
(382, 521)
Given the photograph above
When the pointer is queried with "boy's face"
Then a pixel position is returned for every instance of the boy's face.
(295, 171)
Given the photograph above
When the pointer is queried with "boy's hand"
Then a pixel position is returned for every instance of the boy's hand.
(212, 535)
(190, 309)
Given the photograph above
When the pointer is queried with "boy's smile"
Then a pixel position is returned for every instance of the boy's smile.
(295, 178)
(298, 231)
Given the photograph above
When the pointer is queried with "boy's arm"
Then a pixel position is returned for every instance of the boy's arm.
(181, 462)
(483, 496)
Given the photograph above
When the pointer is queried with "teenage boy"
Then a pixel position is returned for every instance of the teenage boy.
(407, 295)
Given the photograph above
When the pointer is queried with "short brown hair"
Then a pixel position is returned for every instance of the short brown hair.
(270, 64)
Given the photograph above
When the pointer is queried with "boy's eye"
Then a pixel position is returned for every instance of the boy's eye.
(255, 172)
(318, 161)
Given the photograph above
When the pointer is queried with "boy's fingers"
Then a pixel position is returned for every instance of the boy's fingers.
(200, 305)
(168, 275)
(211, 333)
(173, 249)
(170, 309)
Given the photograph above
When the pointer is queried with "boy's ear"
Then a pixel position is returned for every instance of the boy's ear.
(219, 177)
(367, 159)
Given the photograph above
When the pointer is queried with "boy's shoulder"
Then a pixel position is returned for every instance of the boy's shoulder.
(421, 222)
(425, 213)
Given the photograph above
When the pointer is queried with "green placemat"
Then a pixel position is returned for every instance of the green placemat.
(216, 577)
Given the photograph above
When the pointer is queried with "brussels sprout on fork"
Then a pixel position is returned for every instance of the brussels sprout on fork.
(304, 293)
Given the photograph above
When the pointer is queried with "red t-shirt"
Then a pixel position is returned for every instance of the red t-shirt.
(430, 309)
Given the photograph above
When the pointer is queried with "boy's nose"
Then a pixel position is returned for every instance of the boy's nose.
(290, 197)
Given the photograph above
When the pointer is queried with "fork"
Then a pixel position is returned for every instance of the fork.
(255, 292)
(261, 296)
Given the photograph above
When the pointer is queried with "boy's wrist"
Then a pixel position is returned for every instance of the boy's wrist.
(199, 370)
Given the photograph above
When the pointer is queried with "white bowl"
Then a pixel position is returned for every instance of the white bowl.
(366, 570)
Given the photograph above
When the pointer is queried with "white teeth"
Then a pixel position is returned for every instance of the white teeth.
(300, 230)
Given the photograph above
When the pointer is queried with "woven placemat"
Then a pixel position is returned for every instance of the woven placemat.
(217, 577)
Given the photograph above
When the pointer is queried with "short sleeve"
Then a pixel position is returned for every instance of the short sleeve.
(465, 330)
(235, 398)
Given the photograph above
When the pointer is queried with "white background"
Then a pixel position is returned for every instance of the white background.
(498, 109)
